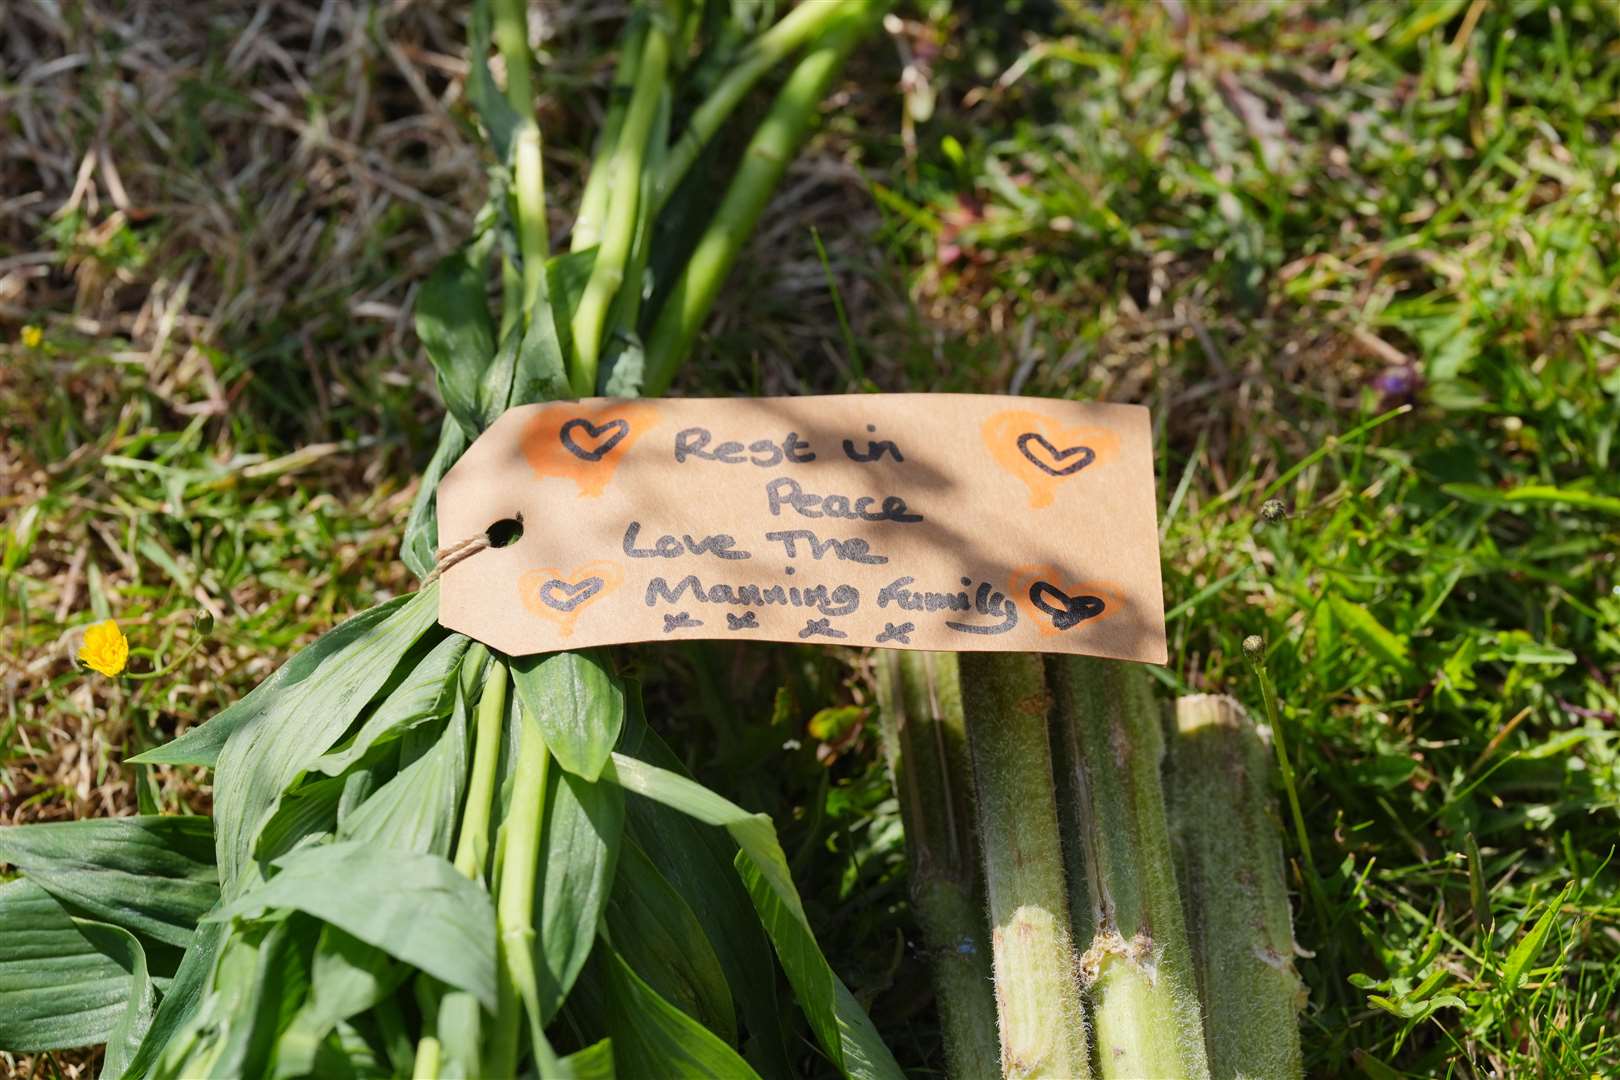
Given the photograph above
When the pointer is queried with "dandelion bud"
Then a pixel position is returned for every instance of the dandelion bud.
(1254, 646)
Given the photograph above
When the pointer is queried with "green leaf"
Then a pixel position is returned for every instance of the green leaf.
(697, 863)
(583, 825)
(528, 367)
(152, 875)
(1528, 947)
(595, 1062)
(180, 1000)
(257, 981)
(578, 703)
(300, 722)
(202, 745)
(347, 977)
(452, 319)
(499, 118)
(64, 982)
(841, 1026)
(422, 528)
(836, 1017)
(1364, 627)
(418, 808)
(650, 1036)
(414, 907)
(124, 1040)
(661, 939)
(427, 693)
(1534, 495)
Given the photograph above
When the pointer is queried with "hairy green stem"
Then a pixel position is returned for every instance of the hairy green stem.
(472, 846)
(1005, 703)
(778, 138)
(802, 24)
(925, 743)
(1234, 890)
(514, 907)
(619, 228)
(1138, 965)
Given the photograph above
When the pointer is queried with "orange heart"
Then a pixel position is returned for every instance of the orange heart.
(1057, 604)
(1043, 453)
(561, 597)
(584, 442)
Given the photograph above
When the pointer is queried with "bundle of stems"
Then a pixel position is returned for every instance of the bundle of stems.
(427, 858)
(1098, 856)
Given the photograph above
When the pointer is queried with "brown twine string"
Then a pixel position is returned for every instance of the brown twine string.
(446, 557)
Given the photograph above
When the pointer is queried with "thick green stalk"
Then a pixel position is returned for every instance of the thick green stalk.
(925, 742)
(1138, 966)
(593, 201)
(1005, 703)
(778, 138)
(514, 907)
(619, 230)
(804, 23)
(472, 845)
(528, 171)
(511, 33)
(1235, 895)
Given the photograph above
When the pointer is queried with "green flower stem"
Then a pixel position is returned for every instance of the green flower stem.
(778, 138)
(1254, 650)
(511, 32)
(1138, 966)
(593, 201)
(619, 228)
(472, 846)
(802, 24)
(1005, 703)
(514, 906)
(925, 742)
(1235, 896)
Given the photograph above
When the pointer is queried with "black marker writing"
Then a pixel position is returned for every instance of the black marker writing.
(838, 600)
(822, 627)
(693, 442)
(874, 450)
(679, 621)
(901, 633)
(785, 491)
(852, 550)
(988, 601)
(720, 545)
(1065, 610)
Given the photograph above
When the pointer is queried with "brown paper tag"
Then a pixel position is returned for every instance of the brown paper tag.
(923, 521)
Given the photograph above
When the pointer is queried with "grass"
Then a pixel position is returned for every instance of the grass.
(1273, 224)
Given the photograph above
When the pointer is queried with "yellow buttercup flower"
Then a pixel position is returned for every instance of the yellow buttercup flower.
(105, 648)
(32, 336)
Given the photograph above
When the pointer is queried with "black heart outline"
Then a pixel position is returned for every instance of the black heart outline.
(577, 592)
(618, 425)
(1075, 609)
(1057, 455)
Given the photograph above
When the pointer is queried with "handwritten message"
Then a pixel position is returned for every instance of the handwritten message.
(936, 521)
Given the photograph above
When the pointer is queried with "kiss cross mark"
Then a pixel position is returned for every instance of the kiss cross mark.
(1068, 610)
(618, 426)
(1084, 455)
